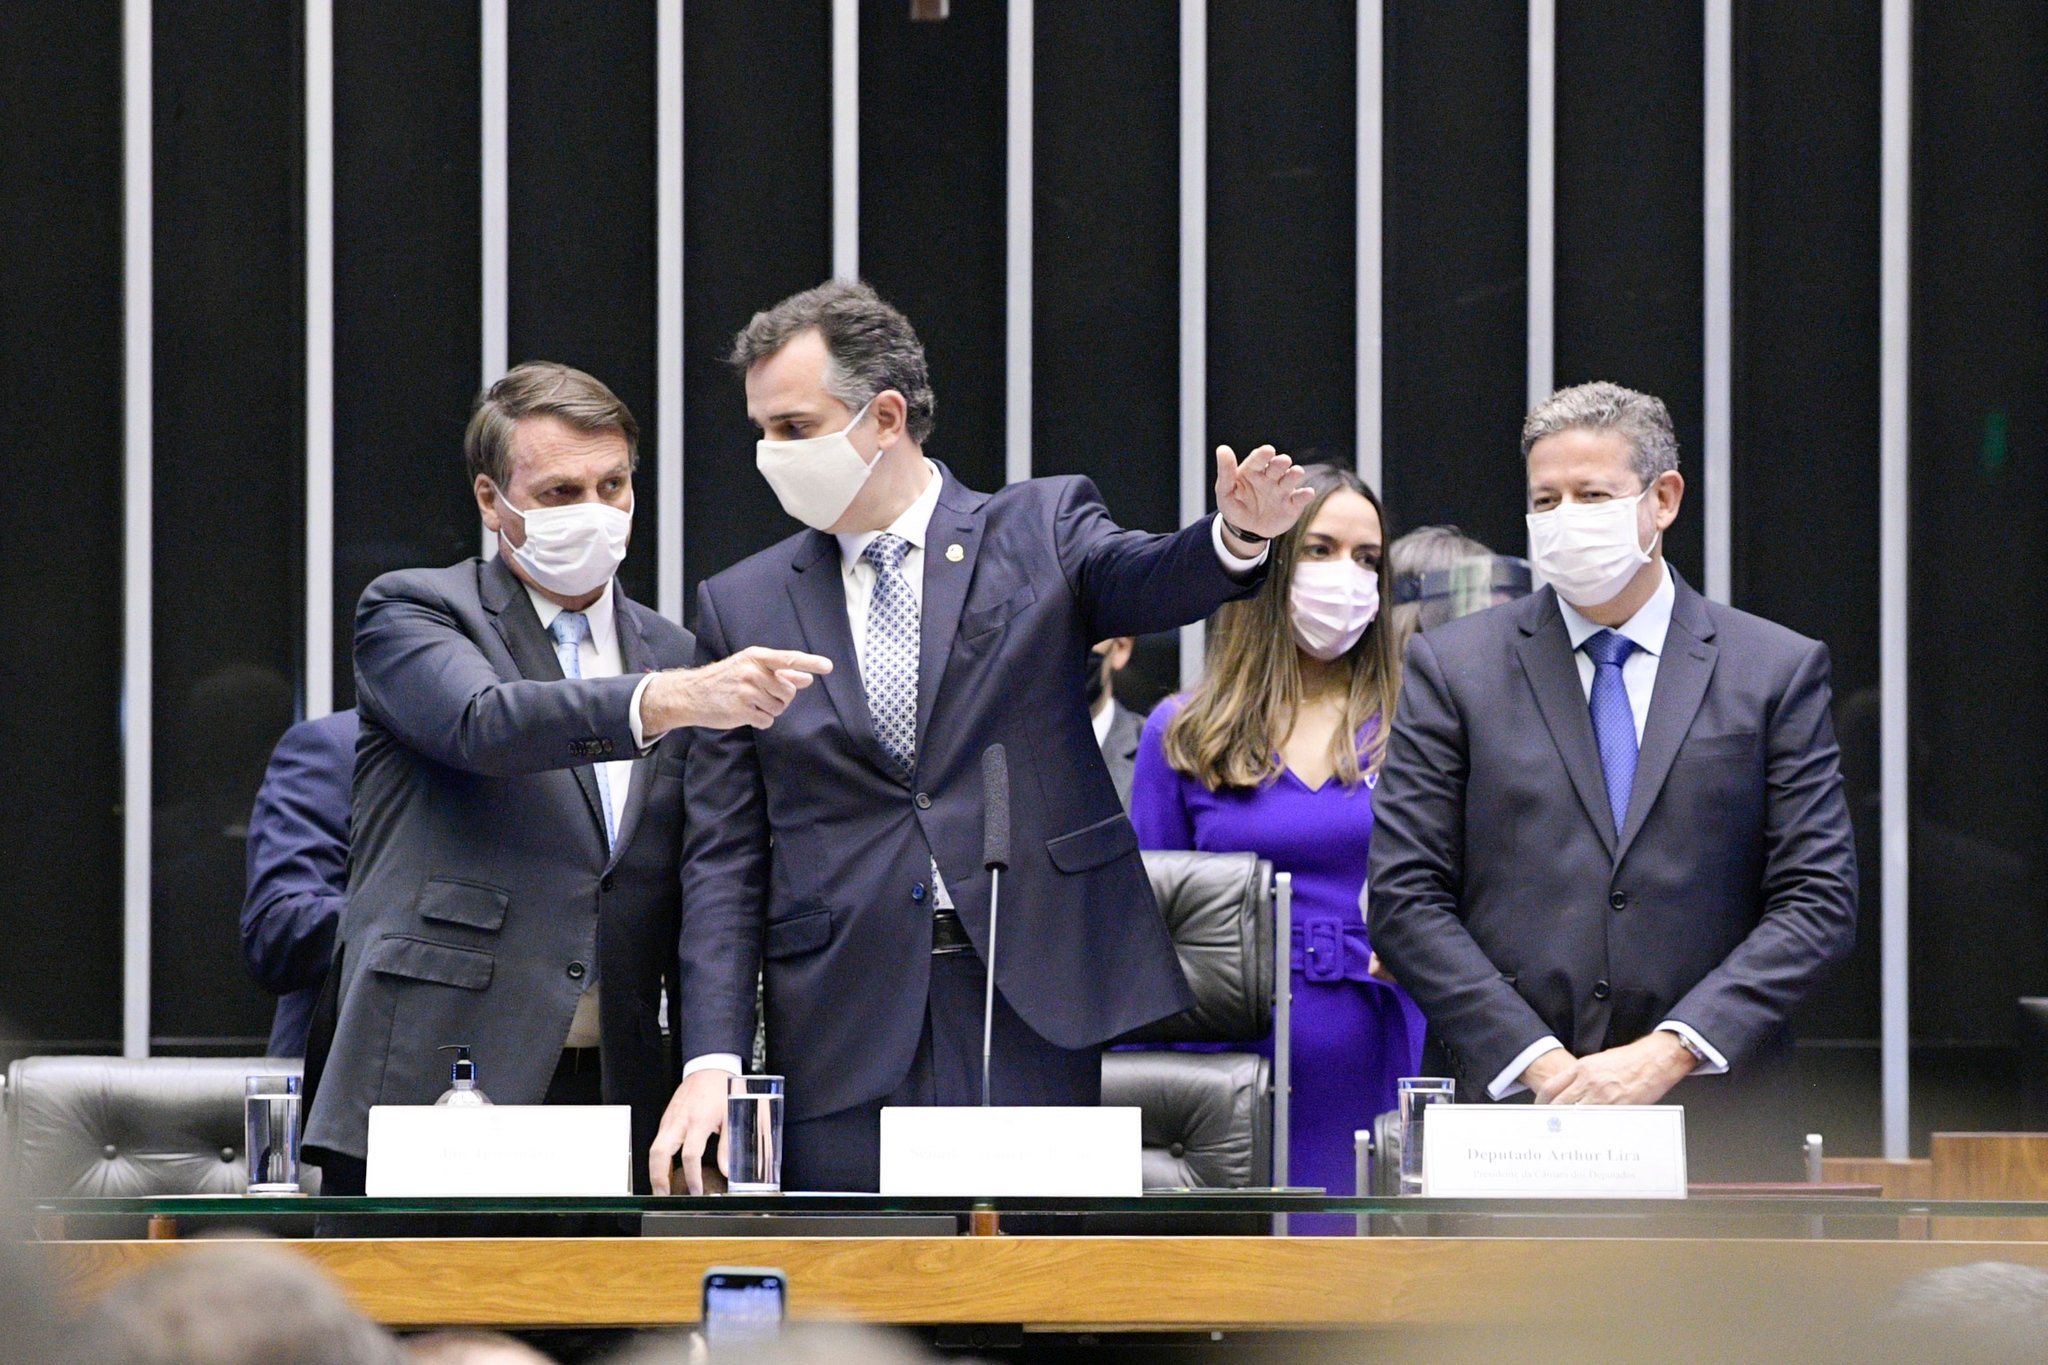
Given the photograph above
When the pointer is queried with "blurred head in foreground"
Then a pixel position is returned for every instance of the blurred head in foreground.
(471, 1348)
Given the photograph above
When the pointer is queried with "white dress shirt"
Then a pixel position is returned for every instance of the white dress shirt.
(857, 576)
(1648, 627)
(600, 658)
(1104, 721)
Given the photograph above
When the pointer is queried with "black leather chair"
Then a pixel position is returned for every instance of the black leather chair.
(121, 1127)
(1208, 1116)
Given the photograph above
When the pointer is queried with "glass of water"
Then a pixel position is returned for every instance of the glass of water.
(1418, 1093)
(753, 1135)
(270, 1110)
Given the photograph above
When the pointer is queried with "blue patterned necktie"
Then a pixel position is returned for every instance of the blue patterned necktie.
(571, 629)
(1614, 721)
(889, 667)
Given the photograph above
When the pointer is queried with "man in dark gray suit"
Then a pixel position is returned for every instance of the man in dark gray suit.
(1611, 851)
(518, 792)
(1117, 727)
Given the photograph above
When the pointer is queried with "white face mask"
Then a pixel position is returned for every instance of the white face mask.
(569, 550)
(816, 479)
(1332, 602)
(1588, 551)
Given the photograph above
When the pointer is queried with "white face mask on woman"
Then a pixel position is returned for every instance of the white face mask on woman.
(1588, 551)
(816, 479)
(1332, 602)
(569, 550)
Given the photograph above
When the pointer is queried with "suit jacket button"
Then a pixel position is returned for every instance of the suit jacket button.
(917, 891)
(576, 970)
(1601, 990)
(607, 882)
(1619, 900)
(924, 801)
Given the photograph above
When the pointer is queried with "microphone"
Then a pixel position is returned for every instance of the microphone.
(995, 856)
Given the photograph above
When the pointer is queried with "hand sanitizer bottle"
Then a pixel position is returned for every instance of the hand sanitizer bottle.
(462, 1091)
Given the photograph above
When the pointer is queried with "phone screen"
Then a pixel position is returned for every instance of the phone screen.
(742, 1305)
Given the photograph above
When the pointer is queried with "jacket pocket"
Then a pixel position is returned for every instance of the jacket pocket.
(805, 933)
(1099, 843)
(982, 620)
(1715, 746)
(453, 901)
(418, 960)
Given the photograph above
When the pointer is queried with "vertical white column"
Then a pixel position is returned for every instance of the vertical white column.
(137, 697)
(1894, 293)
(668, 289)
(319, 645)
(496, 218)
(1017, 248)
(1542, 363)
(846, 139)
(1371, 163)
(1194, 291)
(1719, 276)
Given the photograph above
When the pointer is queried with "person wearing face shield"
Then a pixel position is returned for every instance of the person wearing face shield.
(839, 854)
(1613, 853)
(517, 811)
(1277, 753)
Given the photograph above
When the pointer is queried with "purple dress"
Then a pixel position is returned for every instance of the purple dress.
(1352, 1036)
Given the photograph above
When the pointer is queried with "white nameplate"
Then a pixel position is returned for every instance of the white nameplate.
(1050, 1152)
(1554, 1151)
(424, 1151)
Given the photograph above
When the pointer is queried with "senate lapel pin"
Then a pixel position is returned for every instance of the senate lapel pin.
(954, 554)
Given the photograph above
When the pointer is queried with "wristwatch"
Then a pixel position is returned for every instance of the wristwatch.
(1688, 1044)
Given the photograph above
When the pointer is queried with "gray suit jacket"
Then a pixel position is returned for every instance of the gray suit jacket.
(1502, 898)
(1120, 750)
(482, 898)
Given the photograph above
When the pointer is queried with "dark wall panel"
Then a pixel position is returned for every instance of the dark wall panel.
(1630, 221)
(230, 442)
(61, 410)
(1282, 199)
(1979, 472)
(407, 294)
(1456, 266)
(582, 215)
(932, 140)
(757, 189)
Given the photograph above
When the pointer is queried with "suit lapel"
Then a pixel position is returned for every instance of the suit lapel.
(956, 522)
(818, 592)
(1683, 671)
(1546, 654)
(634, 659)
(513, 617)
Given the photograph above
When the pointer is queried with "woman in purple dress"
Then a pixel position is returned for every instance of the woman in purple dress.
(1276, 754)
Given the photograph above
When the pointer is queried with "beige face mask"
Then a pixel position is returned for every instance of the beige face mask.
(816, 479)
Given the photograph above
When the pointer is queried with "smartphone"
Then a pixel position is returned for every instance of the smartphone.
(743, 1303)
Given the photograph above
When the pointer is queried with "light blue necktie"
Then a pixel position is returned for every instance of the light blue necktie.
(889, 665)
(571, 629)
(1614, 721)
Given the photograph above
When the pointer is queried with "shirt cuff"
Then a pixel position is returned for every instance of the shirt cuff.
(712, 1061)
(1234, 564)
(1714, 1065)
(640, 739)
(1509, 1082)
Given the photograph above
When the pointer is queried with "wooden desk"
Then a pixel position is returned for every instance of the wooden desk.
(1106, 1284)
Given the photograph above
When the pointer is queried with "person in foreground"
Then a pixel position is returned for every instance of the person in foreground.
(1612, 852)
(1276, 753)
(843, 846)
(518, 808)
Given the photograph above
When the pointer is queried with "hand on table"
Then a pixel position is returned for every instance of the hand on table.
(693, 1115)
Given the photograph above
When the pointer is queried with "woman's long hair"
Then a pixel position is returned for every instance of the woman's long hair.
(1229, 732)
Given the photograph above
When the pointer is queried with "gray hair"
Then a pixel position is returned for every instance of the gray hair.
(869, 347)
(1601, 406)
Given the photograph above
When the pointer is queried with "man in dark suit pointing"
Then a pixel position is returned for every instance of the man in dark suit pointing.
(839, 852)
(1610, 851)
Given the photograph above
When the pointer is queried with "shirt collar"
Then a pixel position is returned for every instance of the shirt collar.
(1103, 723)
(1648, 627)
(600, 614)
(913, 525)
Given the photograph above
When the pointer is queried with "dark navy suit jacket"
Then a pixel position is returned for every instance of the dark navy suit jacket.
(1506, 903)
(298, 870)
(804, 847)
